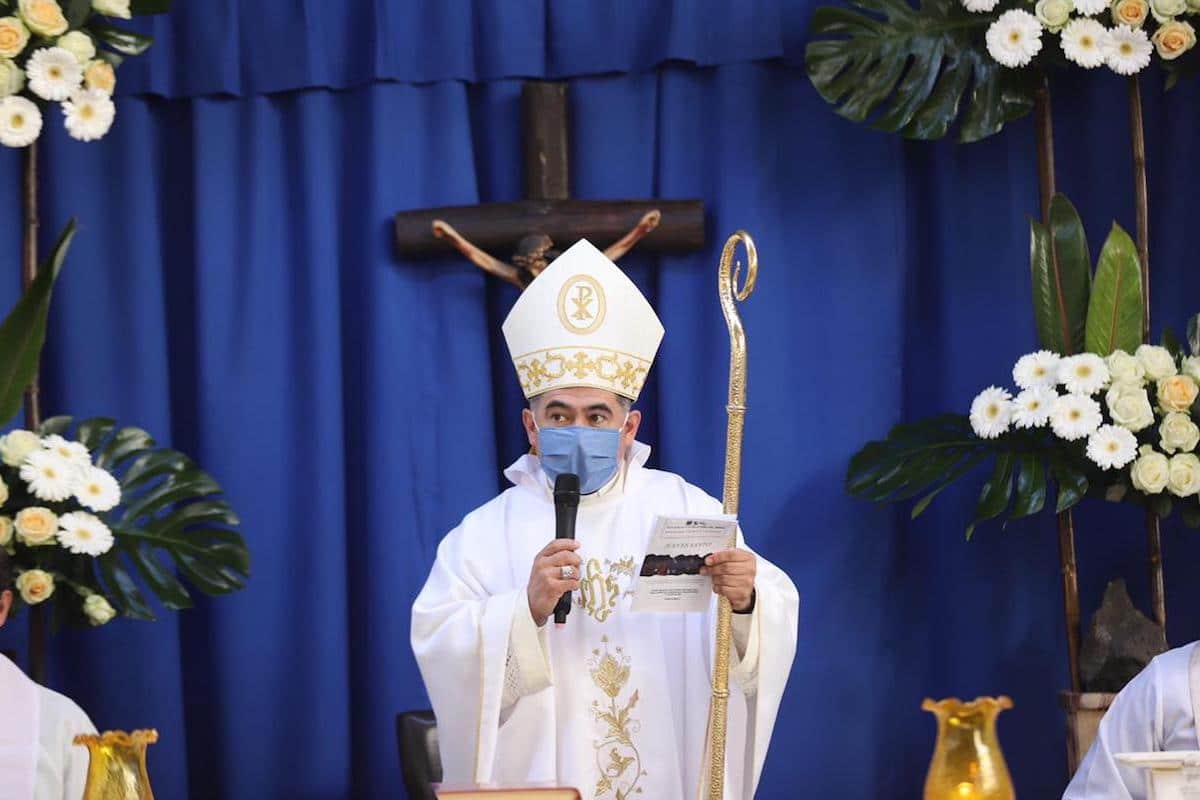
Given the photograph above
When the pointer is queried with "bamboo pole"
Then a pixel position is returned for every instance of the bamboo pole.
(33, 409)
(1044, 131)
(1141, 208)
(730, 295)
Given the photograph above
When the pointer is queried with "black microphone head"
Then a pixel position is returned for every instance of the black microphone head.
(566, 486)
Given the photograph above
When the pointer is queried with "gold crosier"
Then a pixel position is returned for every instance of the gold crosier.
(727, 277)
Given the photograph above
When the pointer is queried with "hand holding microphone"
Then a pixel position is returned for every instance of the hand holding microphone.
(555, 572)
(546, 581)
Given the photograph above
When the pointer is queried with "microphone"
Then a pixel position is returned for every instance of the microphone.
(566, 505)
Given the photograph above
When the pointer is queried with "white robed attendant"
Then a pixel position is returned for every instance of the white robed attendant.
(1156, 712)
(615, 702)
(38, 757)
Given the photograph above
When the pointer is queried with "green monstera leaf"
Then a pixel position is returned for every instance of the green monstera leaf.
(912, 71)
(921, 459)
(172, 529)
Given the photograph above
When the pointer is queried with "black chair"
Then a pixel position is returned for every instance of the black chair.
(420, 762)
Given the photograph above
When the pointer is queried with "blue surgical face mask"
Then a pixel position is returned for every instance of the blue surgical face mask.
(590, 453)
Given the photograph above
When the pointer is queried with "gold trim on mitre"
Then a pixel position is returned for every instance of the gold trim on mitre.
(582, 323)
(563, 368)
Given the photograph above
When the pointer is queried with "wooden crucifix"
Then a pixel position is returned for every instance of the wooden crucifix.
(533, 228)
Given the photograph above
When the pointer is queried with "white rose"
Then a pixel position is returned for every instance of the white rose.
(1129, 406)
(36, 526)
(43, 17)
(98, 610)
(1167, 8)
(35, 586)
(1157, 361)
(1179, 434)
(3, 492)
(6, 531)
(12, 77)
(1191, 367)
(1053, 14)
(1183, 475)
(13, 37)
(78, 44)
(1149, 472)
(112, 8)
(1177, 393)
(1125, 368)
(17, 445)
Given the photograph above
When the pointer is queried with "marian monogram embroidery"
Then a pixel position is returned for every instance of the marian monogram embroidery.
(600, 587)
(617, 757)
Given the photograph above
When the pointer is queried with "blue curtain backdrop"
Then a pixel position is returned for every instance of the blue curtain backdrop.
(233, 289)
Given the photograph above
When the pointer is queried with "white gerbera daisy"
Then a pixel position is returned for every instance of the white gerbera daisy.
(97, 489)
(1083, 374)
(1032, 407)
(50, 476)
(74, 452)
(1083, 42)
(89, 114)
(1074, 416)
(84, 534)
(20, 122)
(1036, 369)
(1090, 8)
(1112, 447)
(1127, 50)
(54, 72)
(1015, 38)
(991, 412)
(980, 6)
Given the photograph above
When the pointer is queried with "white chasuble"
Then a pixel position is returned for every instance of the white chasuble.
(614, 703)
(38, 757)
(1156, 712)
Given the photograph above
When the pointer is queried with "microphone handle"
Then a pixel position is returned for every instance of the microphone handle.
(565, 529)
(562, 609)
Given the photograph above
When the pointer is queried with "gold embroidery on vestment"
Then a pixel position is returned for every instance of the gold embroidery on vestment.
(600, 587)
(617, 758)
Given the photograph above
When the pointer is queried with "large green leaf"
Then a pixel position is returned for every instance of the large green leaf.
(1072, 483)
(1114, 319)
(127, 42)
(172, 527)
(1031, 487)
(909, 70)
(996, 493)
(1062, 278)
(24, 330)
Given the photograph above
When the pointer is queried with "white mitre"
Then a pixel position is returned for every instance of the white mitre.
(582, 322)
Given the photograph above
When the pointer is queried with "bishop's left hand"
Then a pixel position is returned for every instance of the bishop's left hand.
(733, 574)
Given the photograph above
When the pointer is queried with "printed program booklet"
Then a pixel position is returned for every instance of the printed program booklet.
(669, 578)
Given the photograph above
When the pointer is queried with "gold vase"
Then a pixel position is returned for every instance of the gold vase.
(967, 762)
(117, 770)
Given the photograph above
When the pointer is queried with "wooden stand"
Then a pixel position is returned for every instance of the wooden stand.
(1084, 712)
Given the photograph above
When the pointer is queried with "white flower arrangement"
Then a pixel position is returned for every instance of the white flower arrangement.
(1137, 30)
(49, 516)
(44, 61)
(1151, 433)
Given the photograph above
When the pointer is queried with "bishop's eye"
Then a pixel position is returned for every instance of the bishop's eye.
(557, 418)
(599, 419)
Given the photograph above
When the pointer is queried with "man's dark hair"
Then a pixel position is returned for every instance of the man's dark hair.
(6, 578)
